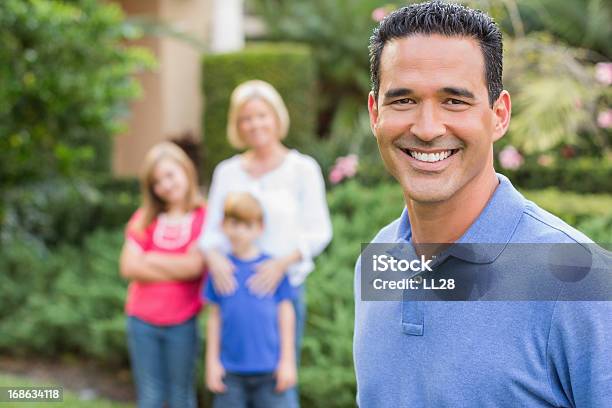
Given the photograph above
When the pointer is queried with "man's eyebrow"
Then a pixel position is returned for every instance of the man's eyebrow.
(451, 90)
(395, 92)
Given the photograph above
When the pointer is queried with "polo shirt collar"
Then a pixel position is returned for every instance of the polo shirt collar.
(495, 225)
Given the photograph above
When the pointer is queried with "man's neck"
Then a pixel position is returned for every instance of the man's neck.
(447, 221)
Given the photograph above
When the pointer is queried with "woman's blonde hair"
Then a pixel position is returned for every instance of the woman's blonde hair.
(255, 89)
(152, 205)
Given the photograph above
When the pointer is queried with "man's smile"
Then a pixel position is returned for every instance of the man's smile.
(430, 156)
(429, 160)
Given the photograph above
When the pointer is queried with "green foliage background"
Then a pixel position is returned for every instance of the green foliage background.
(65, 80)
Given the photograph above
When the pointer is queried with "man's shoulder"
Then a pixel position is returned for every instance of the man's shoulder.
(540, 226)
(388, 233)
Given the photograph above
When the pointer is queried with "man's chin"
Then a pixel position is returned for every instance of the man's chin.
(426, 194)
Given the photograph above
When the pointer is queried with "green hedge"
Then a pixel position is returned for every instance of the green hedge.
(589, 213)
(65, 211)
(570, 206)
(582, 175)
(69, 300)
(289, 67)
(326, 376)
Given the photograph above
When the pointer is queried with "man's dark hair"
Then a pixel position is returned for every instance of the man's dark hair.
(447, 19)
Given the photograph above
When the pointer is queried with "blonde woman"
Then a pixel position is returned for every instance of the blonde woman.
(165, 275)
(289, 186)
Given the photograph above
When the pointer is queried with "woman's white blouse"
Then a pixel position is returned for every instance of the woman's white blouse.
(295, 209)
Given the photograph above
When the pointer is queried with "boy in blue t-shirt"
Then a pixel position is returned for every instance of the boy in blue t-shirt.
(250, 347)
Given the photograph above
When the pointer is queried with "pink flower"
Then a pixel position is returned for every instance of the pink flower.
(348, 164)
(604, 119)
(378, 14)
(335, 176)
(603, 72)
(345, 167)
(510, 158)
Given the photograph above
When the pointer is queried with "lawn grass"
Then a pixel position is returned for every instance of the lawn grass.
(71, 400)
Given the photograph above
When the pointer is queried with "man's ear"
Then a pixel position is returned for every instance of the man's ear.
(373, 112)
(502, 108)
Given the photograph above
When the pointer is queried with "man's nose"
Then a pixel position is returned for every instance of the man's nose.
(427, 125)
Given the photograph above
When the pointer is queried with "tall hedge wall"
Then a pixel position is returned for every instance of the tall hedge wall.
(289, 67)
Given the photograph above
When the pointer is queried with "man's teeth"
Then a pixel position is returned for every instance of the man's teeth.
(430, 157)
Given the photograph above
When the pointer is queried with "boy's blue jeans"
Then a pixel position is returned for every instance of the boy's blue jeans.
(163, 362)
(250, 391)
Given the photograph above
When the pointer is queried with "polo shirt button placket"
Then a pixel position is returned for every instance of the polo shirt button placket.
(413, 316)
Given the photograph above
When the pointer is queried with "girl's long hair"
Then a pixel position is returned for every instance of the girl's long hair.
(152, 205)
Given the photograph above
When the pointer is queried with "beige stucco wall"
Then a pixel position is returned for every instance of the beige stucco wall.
(171, 101)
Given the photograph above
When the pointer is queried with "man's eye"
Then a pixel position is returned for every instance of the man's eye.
(453, 101)
(403, 101)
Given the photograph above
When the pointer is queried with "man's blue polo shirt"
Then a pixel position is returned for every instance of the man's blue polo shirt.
(491, 353)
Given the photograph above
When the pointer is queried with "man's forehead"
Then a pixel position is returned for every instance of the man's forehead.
(432, 56)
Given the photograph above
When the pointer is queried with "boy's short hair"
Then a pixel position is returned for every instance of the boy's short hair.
(243, 207)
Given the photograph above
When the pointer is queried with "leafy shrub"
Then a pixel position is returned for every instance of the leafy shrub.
(65, 79)
(556, 96)
(288, 67)
(327, 373)
(66, 300)
(65, 211)
(573, 208)
(584, 175)
(599, 229)
(581, 23)
(351, 134)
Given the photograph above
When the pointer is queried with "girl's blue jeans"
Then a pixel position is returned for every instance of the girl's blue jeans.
(163, 362)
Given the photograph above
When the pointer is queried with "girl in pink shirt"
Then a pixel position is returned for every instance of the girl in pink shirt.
(165, 271)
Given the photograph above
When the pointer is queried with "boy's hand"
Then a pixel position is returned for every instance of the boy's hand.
(286, 375)
(268, 276)
(214, 377)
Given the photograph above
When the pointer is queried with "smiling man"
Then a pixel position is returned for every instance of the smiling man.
(437, 106)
